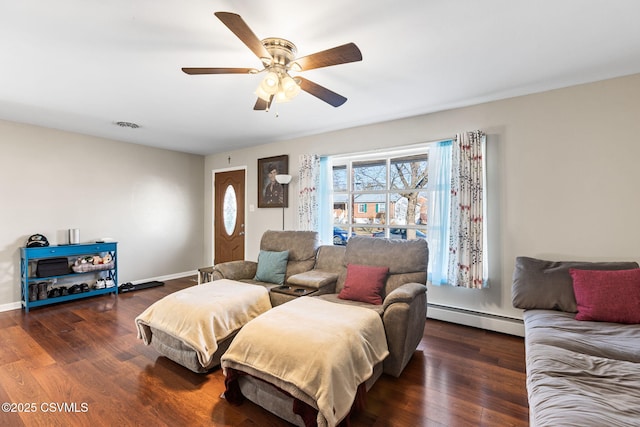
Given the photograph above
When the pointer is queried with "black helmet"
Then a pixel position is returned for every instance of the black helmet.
(37, 241)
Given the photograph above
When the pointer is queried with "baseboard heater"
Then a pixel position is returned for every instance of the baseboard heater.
(476, 319)
(128, 287)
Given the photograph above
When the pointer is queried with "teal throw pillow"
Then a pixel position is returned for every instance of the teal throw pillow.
(272, 267)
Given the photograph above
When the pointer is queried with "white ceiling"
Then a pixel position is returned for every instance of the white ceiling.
(81, 65)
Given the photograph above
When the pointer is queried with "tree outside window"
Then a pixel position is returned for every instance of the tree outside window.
(382, 196)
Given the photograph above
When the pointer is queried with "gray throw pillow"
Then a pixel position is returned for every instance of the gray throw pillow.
(272, 267)
(548, 285)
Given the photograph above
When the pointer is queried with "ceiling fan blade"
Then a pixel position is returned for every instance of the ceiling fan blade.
(240, 28)
(321, 92)
(194, 71)
(263, 105)
(338, 55)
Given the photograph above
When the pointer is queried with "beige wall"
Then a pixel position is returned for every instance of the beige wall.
(562, 178)
(147, 199)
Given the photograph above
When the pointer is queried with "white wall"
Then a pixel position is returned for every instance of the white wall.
(149, 200)
(563, 178)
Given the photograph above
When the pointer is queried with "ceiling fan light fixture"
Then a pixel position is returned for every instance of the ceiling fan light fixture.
(289, 87)
(279, 57)
(270, 83)
(282, 97)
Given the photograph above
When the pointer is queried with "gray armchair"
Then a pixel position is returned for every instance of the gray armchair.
(302, 247)
(404, 307)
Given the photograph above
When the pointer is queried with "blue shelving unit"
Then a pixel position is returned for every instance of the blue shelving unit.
(30, 256)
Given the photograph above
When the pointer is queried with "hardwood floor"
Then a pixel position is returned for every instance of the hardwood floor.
(80, 363)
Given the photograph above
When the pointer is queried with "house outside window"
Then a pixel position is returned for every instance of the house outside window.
(381, 194)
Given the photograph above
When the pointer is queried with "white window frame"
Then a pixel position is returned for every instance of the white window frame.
(348, 160)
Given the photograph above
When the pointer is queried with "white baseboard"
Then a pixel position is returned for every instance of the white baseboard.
(10, 306)
(505, 325)
(17, 305)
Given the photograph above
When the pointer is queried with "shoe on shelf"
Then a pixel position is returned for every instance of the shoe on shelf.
(42, 290)
(33, 292)
(100, 284)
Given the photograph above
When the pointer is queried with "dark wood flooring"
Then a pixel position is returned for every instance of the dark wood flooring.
(80, 363)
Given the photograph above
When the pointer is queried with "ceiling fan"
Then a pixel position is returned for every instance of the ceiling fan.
(278, 57)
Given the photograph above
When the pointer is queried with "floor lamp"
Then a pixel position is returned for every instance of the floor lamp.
(284, 180)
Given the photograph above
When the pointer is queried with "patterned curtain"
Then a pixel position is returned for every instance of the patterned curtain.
(466, 239)
(308, 183)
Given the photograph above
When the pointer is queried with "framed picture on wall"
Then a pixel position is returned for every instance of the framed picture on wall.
(272, 194)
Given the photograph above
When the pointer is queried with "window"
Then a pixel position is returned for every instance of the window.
(381, 194)
(433, 191)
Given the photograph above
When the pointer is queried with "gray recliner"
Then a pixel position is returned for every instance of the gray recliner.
(404, 307)
(302, 247)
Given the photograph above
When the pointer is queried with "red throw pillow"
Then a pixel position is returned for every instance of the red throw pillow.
(607, 296)
(364, 283)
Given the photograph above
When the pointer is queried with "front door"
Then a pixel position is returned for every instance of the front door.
(228, 216)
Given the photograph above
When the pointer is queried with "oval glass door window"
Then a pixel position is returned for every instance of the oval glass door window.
(230, 210)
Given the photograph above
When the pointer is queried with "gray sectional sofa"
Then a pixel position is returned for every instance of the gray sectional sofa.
(323, 270)
(579, 373)
(398, 267)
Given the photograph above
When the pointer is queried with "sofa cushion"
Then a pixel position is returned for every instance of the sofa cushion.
(313, 279)
(401, 256)
(330, 258)
(302, 247)
(364, 283)
(272, 266)
(607, 296)
(547, 284)
(407, 259)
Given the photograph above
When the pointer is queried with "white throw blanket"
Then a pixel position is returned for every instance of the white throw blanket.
(318, 351)
(202, 315)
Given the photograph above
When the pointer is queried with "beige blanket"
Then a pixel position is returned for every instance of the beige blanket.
(201, 316)
(318, 351)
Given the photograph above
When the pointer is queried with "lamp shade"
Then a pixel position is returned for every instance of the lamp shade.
(270, 83)
(283, 179)
(290, 87)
